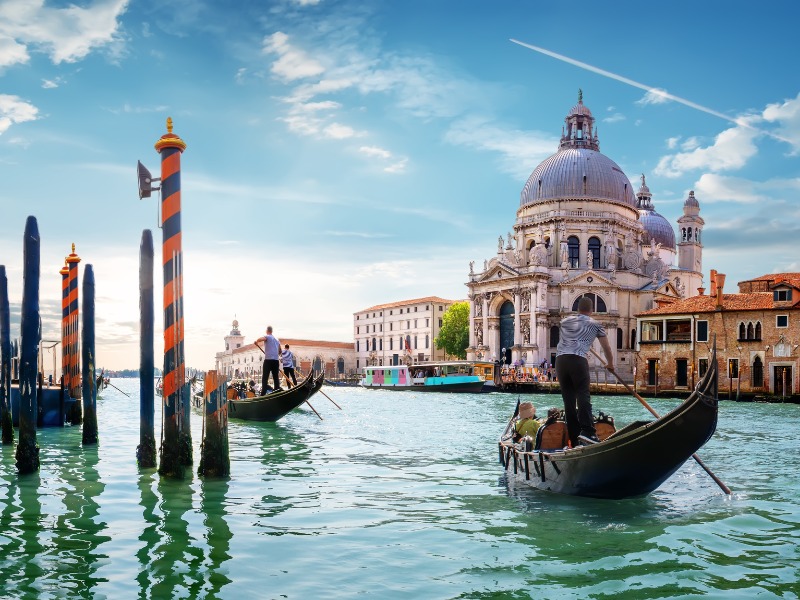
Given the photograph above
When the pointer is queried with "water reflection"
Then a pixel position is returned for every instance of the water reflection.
(213, 494)
(20, 525)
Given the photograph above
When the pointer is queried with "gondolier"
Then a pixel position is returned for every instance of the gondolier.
(272, 353)
(578, 333)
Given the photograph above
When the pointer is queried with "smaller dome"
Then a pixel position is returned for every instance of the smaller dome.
(580, 109)
(657, 228)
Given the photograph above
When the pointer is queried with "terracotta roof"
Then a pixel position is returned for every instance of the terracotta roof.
(791, 278)
(293, 343)
(706, 304)
(431, 299)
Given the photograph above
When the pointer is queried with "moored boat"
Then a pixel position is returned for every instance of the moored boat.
(630, 462)
(427, 377)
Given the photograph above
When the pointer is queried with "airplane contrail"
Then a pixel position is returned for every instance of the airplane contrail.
(652, 90)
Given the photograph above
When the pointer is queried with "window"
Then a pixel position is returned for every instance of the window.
(702, 366)
(598, 304)
(574, 251)
(374, 344)
(380, 314)
(750, 332)
(415, 323)
(390, 312)
(733, 368)
(408, 324)
(651, 332)
(758, 372)
(440, 309)
(380, 327)
(390, 326)
(679, 331)
(427, 341)
(373, 328)
(702, 331)
(781, 320)
(427, 322)
(633, 339)
(742, 331)
(594, 249)
(555, 334)
(440, 323)
(415, 309)
(782, 295)
(380, 344)
(415, 342)
(758, 330)
(391, 344)
(619, 338)
(357, 344)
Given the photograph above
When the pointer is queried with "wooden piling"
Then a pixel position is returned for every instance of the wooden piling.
(176, 448)
(27, 456)
(146, 450)
(5, 361)
(89, 385)
(74, 387)
(214, 455)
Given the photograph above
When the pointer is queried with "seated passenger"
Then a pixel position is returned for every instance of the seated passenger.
(527, 423)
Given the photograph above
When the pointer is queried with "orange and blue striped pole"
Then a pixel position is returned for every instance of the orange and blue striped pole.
(176, 450)
(73, 365)
(64, 272)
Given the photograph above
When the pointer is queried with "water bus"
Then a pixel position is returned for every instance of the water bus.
(426, 377)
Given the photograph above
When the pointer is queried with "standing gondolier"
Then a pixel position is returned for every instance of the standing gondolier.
(272, 352)
(578, 333)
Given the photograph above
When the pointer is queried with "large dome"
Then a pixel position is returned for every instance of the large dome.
(579, 173)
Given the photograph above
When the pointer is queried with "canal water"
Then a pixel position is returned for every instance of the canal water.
(398, 495)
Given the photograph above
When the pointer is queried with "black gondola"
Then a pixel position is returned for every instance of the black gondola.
(631, 462)
(275, 405)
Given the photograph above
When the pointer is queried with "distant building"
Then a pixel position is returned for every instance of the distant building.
(336, 359)
(581, 229)
(385, 333)
(757, 333)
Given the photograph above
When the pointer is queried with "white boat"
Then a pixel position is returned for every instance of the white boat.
(427, 377)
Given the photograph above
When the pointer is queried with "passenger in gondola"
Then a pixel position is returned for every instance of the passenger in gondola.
(287, 360)
(526, 425)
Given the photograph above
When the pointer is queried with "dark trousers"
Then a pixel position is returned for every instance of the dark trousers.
(573, 377)
(271, 367)
(289, 372)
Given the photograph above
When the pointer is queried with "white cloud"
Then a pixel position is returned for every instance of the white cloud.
(49, 84)
(67, 33)
(713, 188)
(672, 142)
(375, 151)
(787, 117)
(337, 131)
(14, 109)
(690, 144)
(615, 118)
(292, 63)
(12, 52)
(731, 150)
(654, 96)
(398, 167)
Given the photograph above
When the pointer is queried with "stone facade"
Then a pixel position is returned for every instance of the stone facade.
(757, 334)
(381, 332)
(580, 230)
(238, 359)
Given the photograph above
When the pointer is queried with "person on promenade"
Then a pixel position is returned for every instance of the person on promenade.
(578, 333)
(272, 351)
(527, 423)
(287, 360)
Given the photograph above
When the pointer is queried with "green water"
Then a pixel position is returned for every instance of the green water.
(398, 495)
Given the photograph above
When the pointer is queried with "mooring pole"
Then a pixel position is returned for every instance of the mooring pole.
(146, 451)
(27, 448)
(176, 450)
(74, 388)
(64, 327)
(5, 361)
(215, 458)
(89, 391)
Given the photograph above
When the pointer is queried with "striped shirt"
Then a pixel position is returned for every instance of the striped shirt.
(578, 333)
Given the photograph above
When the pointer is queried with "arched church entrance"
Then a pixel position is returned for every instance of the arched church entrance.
(506, 331)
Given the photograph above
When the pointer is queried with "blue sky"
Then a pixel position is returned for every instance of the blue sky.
(345, 154)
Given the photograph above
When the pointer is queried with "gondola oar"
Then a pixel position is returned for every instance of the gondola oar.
(716, 479)
(514, 416)
(331, 399)
(314, 409)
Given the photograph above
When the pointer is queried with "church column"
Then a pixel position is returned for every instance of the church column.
(471, 321)
(485, 299)
(518, 341)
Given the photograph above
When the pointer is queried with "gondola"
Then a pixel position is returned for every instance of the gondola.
(630, 462)
(275, 405)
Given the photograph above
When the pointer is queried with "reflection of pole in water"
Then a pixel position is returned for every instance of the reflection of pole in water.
(215, 458)
(27, 448)
(88, 360)
(146, 451)
(5, 361)
(22, 508)
(218, 536)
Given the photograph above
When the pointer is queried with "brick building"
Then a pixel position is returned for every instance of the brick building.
(757, 332)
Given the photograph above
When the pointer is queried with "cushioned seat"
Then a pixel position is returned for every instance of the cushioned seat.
(552, 436)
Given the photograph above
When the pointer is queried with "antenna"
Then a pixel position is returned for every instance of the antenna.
(145, 181)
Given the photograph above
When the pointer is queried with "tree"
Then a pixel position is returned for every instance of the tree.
(453, 337)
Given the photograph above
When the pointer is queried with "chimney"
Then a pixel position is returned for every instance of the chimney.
(701, 291)
(713, 289)
(720, 279)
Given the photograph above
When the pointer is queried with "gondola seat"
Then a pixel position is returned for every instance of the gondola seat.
(552, 436)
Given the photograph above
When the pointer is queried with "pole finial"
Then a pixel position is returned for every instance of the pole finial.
(73, 247)
(169, 124)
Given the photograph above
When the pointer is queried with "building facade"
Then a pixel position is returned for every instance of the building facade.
(757, 333)
(240, 360)
(388, 333)
(580, 230)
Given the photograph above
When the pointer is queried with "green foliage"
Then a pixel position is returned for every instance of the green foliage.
(453, 337)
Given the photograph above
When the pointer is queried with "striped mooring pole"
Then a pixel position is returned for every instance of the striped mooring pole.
(5, 361)
(215, 457)
(64, 272)
(27, 456)
(89, 391)
(146, 450)
(73, 348)
(176, 449)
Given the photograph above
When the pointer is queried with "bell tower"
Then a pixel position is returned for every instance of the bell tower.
(690, 225)
(234, 339)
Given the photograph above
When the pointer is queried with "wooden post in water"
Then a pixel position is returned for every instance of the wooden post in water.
(214, 458)
(73, 365)
(64, 272)
(146, 451)
(5, 361)
(89, 391)
(27, 449)
(176, 449)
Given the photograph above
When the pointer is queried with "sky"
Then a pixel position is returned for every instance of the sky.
(343, 154)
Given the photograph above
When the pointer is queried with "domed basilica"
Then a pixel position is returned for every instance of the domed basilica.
(580, 230)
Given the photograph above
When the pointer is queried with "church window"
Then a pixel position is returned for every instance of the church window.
(683, 234)
(555, 332)
(594, 248)
(620, 337)
(598, 304)
(574, 248)
(781, 320)
(696, 235)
